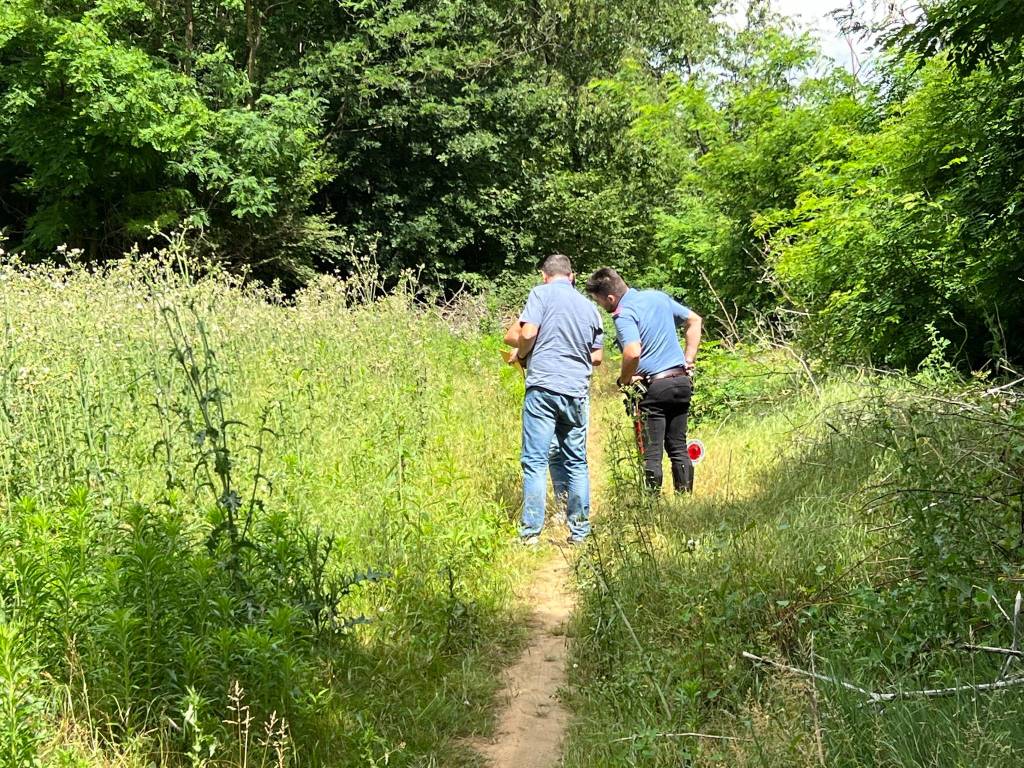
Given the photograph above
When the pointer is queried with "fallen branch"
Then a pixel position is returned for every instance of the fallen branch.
(897, 524)
(636, 736)
(1013, 644)
(993, 390)
(876, 698)
(992, 649)
(805, 673)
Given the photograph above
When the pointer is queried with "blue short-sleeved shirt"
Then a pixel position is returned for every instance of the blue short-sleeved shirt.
(651, 317)
(569, 329)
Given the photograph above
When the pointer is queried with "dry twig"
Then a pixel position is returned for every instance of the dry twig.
(1013, 644)
(877, 698)
(993, 649)
(694, 735)
(993, 390)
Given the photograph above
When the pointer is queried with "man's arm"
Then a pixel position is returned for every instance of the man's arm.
(512, 334)
(529, 323)
(694, 324)
(629, 342)
(630, 362)
(527, 338)
(597, 345)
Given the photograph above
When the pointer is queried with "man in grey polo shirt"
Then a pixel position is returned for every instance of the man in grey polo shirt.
(561, 338)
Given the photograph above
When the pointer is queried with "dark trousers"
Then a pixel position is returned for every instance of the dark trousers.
(663, 412)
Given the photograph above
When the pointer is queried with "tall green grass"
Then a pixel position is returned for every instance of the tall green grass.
(865, 534)
(238, 530)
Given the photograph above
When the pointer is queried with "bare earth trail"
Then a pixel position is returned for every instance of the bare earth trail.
(531, 722)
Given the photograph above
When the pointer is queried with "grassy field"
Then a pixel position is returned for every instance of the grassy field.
(242, 531)
(865, 533)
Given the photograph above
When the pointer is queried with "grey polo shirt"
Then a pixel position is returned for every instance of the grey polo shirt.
(569, 329)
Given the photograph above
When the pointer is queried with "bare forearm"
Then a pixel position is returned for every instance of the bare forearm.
(527, 338)
(693, 330)
(630, 361)
(512, 334)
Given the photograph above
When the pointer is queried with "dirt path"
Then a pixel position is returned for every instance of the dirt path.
(532, 721)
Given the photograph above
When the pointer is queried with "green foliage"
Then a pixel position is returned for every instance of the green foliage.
(223, 527)
(872, 214)
(730, 380)
(736, 168)
(909, 228)
(21, 706)
(432, 130)
(112, 144)
(867, 535)
(972, 33)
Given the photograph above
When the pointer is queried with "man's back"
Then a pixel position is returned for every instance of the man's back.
(569, 329)
(651, 317)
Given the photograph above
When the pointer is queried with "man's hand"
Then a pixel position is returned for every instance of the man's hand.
(632, 393)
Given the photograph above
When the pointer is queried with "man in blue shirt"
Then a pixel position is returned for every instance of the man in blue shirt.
(556, 464)
(646, 323)
(561, 338)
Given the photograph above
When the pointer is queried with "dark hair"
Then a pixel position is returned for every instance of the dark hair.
(605, 282)
(556, 265)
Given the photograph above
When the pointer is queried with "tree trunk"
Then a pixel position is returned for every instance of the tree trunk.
(252, 39)
(189, 34)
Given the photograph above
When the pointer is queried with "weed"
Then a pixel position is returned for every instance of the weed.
(882, 519)
(202, 484)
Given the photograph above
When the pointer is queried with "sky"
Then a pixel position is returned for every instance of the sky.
(814, 15)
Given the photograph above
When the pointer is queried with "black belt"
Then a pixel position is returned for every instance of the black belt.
(671, 373)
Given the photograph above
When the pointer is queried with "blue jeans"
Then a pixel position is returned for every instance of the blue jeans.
(551, 416)
(556, 463)
(559, 477)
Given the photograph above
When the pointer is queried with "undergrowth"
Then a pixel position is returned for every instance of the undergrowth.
(867, 534)
(240, 531)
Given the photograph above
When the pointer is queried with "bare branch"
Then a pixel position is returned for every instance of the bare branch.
(727, 319)
(993, 390)
(636, 736)
(993, 649)
(878, 698)
(1013, 644)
